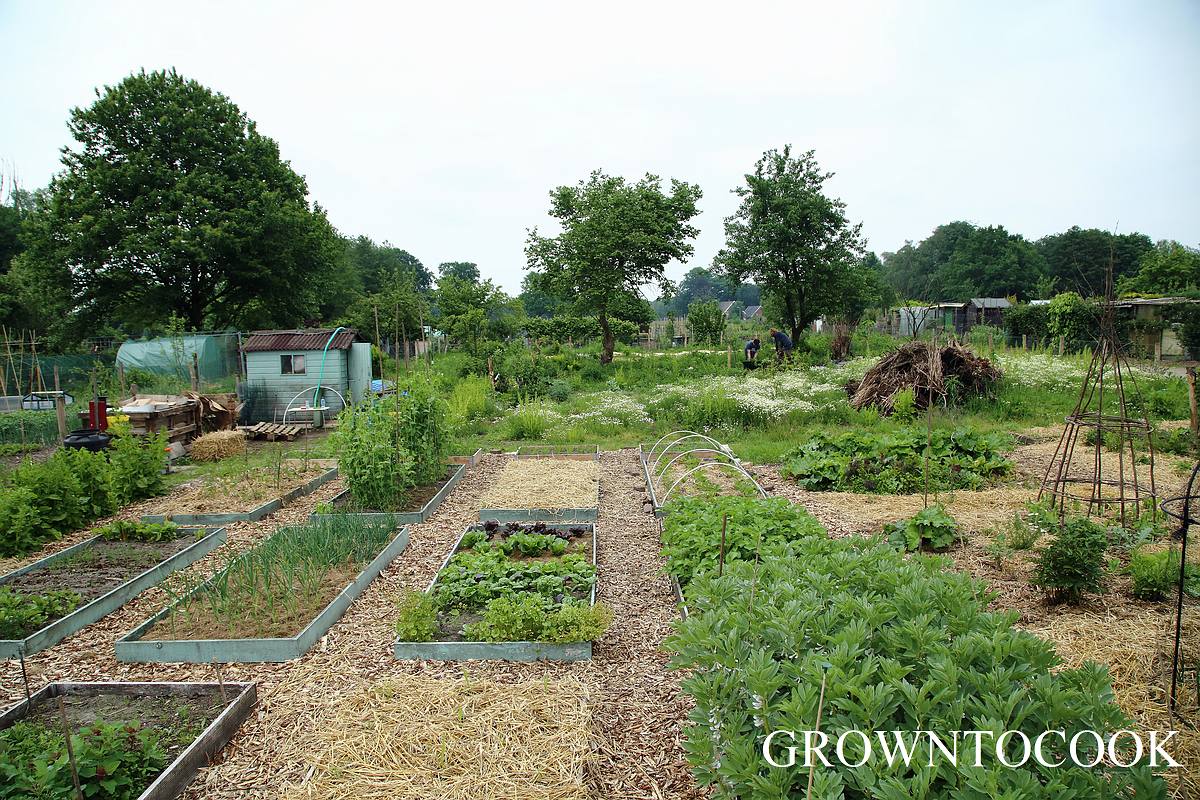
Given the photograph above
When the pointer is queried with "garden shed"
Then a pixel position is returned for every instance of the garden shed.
(280, 365)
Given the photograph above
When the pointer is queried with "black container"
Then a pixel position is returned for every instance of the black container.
(87, 439)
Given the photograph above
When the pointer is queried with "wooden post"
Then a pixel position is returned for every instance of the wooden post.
(1158, 348)
(1024, 341)
(1062, 345)
(729, 356)
(195, 372)
(991, 342)
(60, 406)
(378, 343)
(721, 557)
(62, 712)
(120, 379)
(1191, 382)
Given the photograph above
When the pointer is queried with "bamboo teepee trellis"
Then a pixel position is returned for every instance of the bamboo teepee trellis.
(1103, 409)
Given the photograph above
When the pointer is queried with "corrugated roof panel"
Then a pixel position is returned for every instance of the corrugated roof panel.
(312, 339)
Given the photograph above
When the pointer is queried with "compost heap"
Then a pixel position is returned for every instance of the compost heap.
(926, 369)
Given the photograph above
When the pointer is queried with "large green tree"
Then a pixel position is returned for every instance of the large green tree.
(1168, 268)
(467, 270)
(1077, 259)
(792, 239)
(374, 267)
(700, 284)
(172, 202)
(616, 237)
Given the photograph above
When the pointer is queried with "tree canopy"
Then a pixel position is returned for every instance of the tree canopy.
(792, 239)
(1168, 268)
(173, 203)
(466, 270)
(616, 237)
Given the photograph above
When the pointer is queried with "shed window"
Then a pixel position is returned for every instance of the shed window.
(291, 365)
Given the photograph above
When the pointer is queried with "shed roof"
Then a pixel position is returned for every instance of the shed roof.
(308, 339)
(990, 302)
(752, 310)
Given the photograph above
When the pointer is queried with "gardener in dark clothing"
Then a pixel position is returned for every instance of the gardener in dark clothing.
(783, 346)
(752, 348)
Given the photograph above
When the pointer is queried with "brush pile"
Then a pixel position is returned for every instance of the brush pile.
(218, 445)
(927, 370)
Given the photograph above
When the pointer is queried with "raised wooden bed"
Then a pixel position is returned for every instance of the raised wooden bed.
(398, 517)
(134, 648)
(225, 518)
(498, 651)
(568, 452)
(470, 460)
(583, 506)
(93, 611)
(170, 783)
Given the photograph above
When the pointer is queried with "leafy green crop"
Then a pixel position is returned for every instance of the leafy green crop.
(692, 530)
(137, 464)
(376, 466)
(472, 579)
(1073, 563)
(417, 621)
(894, 462)
(901, 643)
(930, 527)
(534, 618)
(129, 530)
(114, 762)
(21, 614)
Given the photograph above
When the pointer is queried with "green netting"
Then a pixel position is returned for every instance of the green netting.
(217, 355)
(25, 372)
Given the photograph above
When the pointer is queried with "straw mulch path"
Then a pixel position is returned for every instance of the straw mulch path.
(636, 708)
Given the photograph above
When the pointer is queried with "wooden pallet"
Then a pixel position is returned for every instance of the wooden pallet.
(271, 431)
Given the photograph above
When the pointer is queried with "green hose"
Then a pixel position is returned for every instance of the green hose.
(321, 376)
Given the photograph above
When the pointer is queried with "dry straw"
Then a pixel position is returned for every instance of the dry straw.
(544, 483)
(218, 445)
(419, 737)
(1136, 649)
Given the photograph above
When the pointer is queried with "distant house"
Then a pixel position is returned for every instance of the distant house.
(726, 305)
(281, 366)
(753, 312)
(1151, 332)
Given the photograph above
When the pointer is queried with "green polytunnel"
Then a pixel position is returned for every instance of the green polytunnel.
(216, 355)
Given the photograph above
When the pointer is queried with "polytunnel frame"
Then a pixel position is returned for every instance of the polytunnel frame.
(681, 436)
(321, 408)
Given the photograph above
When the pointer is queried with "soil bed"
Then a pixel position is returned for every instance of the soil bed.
(422, 501)
(101, 567)
(543, 488)
(241, 492)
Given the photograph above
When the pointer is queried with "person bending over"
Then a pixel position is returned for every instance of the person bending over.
(783, 346)
(752, 348)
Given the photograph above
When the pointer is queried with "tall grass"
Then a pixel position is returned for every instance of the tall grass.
(471, 398)
(530, 420)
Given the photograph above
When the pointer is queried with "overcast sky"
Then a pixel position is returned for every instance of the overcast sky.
(442, 127)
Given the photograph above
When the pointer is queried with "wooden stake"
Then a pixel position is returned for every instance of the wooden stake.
(1024, 341)
(721, 560)
(378, 342)
(120, 378)
(62, 712)
(729, 357)
(820, 707)
(1062, 345)
(60, 406)
(220, 681)
(195, 372)
(1191, 382)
